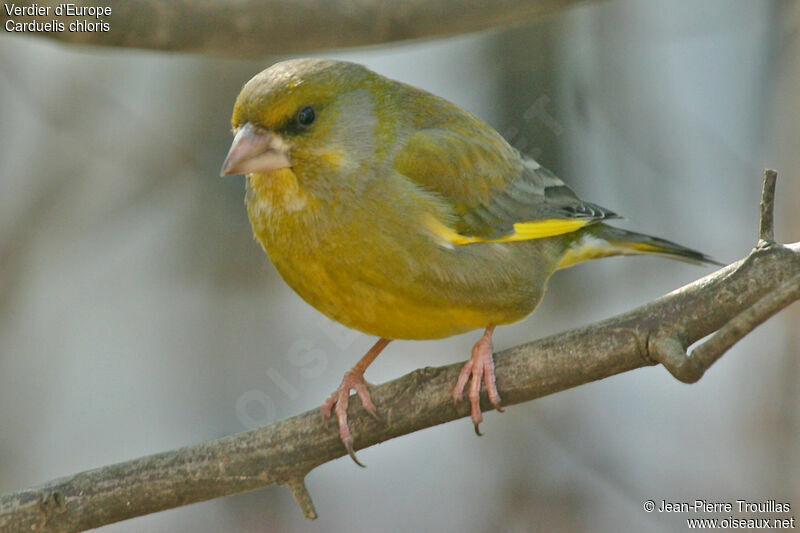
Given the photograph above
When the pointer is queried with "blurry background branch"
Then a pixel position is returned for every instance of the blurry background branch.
(258, 28)
(731, 301)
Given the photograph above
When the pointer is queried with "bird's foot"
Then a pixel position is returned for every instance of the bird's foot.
(480, 367)
(338, 401)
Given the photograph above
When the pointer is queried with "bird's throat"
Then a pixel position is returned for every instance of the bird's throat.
(278, 189)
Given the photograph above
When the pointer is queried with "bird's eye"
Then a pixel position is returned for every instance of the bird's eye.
(306, 116)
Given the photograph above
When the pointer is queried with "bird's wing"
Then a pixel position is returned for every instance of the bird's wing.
(495, 195)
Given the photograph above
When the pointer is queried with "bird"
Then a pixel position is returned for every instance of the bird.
(399, 214)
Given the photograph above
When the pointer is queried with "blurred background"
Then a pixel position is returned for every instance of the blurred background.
(137, 313)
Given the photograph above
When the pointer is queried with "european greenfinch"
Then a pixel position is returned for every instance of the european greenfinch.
(399, 214)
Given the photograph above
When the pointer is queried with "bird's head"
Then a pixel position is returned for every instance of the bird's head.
(316, 116)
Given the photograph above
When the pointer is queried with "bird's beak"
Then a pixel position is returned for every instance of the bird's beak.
(255, 149)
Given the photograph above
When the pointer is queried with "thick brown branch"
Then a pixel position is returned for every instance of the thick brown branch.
(287, 450)
(667, 348)
(731, 301)
(259, 28)
(735, 330)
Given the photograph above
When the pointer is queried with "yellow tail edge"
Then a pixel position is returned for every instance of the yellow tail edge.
(606, 241)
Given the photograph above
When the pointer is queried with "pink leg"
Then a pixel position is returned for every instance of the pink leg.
(353, 380)
(480, 367)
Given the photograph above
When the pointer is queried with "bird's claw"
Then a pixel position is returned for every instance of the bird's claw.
(349, 447)
(338, 403)
(480, 368)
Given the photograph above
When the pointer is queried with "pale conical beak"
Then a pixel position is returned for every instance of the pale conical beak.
(255, 149)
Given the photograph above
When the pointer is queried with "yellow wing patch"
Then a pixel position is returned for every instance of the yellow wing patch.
(523, 231)
(540, 229)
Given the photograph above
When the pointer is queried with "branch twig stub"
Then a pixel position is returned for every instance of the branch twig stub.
(766, 232)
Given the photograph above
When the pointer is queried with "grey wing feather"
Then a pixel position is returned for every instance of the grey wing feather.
(537, 194)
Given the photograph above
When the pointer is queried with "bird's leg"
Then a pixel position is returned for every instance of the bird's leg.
(353, 380)
(480, 367)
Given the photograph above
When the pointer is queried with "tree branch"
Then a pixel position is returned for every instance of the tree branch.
(258, 28)
(668, 349)
(731, 301)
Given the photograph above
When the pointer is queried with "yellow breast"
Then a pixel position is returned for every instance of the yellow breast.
(382, 271)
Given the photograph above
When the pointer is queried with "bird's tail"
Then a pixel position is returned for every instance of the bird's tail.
(600, 240)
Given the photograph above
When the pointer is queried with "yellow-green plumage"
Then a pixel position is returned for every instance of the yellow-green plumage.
(402, 215)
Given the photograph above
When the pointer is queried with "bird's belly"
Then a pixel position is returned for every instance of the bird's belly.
(388, 277)
(390, 296)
